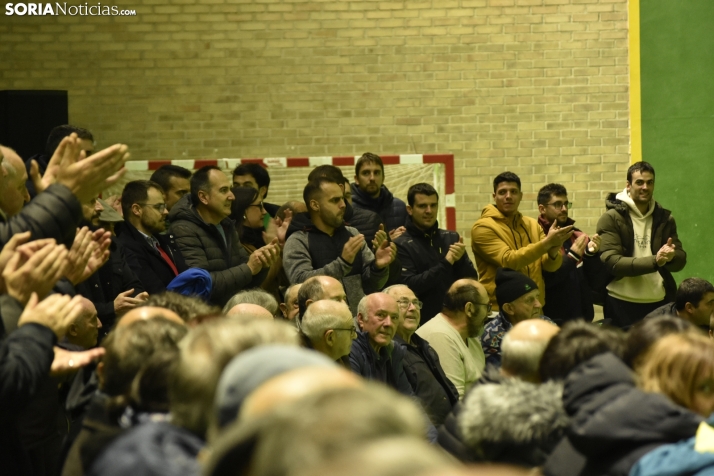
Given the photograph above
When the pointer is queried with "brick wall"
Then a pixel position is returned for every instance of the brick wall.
(538, 87)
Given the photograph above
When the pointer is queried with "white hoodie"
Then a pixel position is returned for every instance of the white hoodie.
(648, 287)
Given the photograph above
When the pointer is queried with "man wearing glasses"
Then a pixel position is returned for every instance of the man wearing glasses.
(330, 327)
(570, 287)
(152, 255)
(454, 333)
(421, 362)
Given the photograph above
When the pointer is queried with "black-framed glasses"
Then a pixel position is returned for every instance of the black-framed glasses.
(404, 303)
(488, 306)
(353, 329)
(560, 205)
(159, 207)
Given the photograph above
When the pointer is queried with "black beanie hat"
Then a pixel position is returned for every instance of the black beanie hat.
(510, 285)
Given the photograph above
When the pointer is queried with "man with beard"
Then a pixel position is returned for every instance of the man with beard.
(518, 300)
(454, 333)
(571, 287)
(327, 247)
(640, 249)
(153, 256)
(421, 362)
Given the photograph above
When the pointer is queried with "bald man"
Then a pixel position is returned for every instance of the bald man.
(148, 312)
(330, 327)
(289, 307)
(83, 332)
(317, 288)
(250, 310)
(523, 347)
(13, 191)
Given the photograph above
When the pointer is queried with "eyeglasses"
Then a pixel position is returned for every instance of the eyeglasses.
(560, 205)
(404, 303)
(488, 306)
(159, 207)
(353, 329)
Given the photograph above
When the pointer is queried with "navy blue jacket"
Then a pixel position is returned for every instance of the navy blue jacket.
(387, 367)
(391, 210)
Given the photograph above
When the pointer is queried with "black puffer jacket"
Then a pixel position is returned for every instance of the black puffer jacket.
(618, 242)
(391, 210)
(424, 266)
(55, 213)
(202, 246)
(613, 423)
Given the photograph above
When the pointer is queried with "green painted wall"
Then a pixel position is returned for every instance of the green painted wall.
(677, 66)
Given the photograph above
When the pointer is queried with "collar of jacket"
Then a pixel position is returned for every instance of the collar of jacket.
(491, 211)
(415, 231)
(375, 204)
(185, 210)
(546, 226)
(385, 353)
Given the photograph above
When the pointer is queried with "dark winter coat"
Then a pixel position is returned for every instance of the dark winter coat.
(146, 262)
(424, 266)
(571, 289)
(613, 423)
(55, 213)
(25, 359)
(114, 277)
(618, 242)
(391, 210)
(202, 246)
(430, 385)
(387, 367)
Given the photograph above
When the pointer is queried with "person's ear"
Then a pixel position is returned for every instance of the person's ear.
(262, 191)
(136, 210)
(314, 206)
(689, 307)
(203, 197)
(409, 210)
(469, 308)
(330, 337)
(359, 322)
(308, 302)
(73, 331)
(541, 209)
(284, 309)
(508, 308)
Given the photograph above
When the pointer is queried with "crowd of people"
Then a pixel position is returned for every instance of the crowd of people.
(188, 326)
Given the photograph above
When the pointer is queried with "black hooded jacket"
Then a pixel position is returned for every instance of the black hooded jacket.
(613, 423)
(392, 211)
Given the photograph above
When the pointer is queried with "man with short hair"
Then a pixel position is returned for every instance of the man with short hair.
(421, 362)
(504, 238)
(694, 302)
(518, 300)
(152, 255)
(522, 348)
(373, 356)
(253, 296)
(14, 191)
(208, 239)
(255, 176)
(571, 287)
(640, 249)
(174, 182)
(316, 289)
(431, 258)
(328, 247)
(369, 193)
(84, 331)
(330, 327)
(289, 307)
(454, 333)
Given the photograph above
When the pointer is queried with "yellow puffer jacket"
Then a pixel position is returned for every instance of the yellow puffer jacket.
(516, 242)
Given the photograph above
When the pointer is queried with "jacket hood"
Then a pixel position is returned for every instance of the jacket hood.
(385, 198)
(609, 413)
(625, 198)
(416, 231)
(490, 211)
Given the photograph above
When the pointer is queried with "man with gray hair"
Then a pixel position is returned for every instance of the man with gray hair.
(318, 288)
(253, 296)
(330, 328)
(523, 346)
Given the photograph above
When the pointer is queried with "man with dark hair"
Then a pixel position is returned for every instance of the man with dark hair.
(328, 247)
(369, 193)
(174, 181)
(571, 287)
(640, 249)
(454, 333)
(694, 302)
(255, 176)
(152, 255)
(504, 238)
(517, 297)
(431, 258)
(37, 164)
(208, 239)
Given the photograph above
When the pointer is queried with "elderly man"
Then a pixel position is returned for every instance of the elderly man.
(523, 347)
(209, 240)
(317, 288)
(421, 362)
(519, 299)
(330, 328)
(289, 307)
(373, 356)
(454, 332)
(84, 331)
(14, 192)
